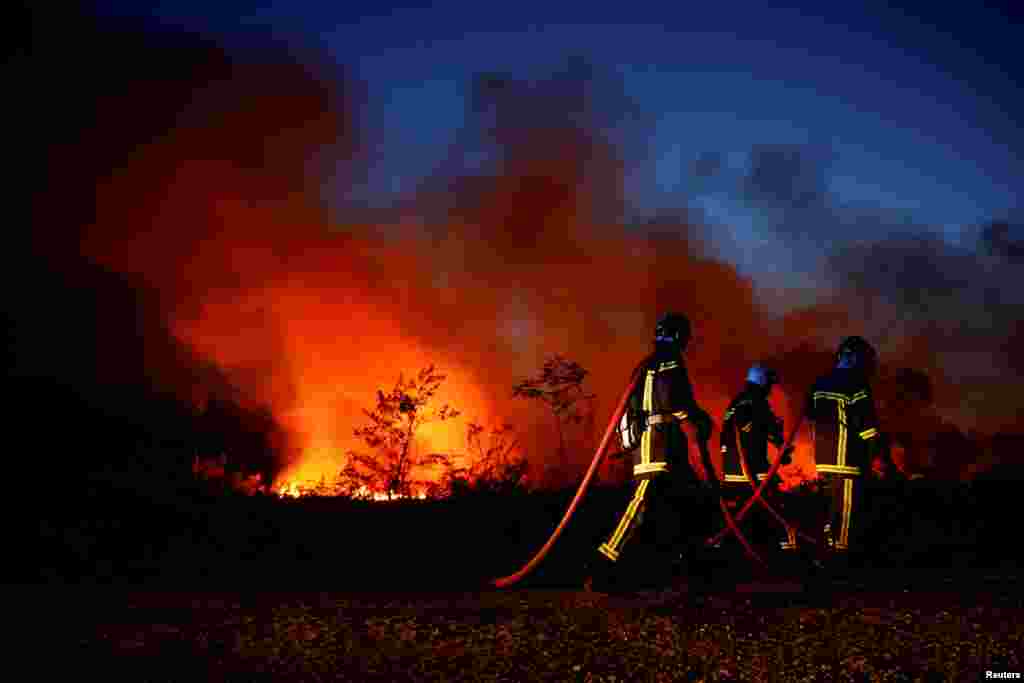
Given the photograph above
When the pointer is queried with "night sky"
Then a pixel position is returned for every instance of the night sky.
(918, 107)
(804, 173)
(903, 115)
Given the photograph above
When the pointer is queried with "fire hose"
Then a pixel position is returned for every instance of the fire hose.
(596, 462)
(758, 493)
(758, 497)
(730, 522)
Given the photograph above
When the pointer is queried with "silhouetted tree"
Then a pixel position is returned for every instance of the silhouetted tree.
(559, 386)
(391, 434)
(495, 465)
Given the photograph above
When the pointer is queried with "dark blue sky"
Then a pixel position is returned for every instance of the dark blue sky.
(918, 108)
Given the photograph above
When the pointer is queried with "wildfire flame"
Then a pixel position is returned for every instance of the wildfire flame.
(298, 488)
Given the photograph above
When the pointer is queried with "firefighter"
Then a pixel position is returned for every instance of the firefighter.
(663, 477)
(841, 411)
(748, 426)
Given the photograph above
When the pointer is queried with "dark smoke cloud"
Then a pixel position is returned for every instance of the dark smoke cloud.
(788, 185)
(952, 310)
(786, 177)
(945, 316)
(1005, 240)
(97, 272)
(185, 170)
(534, 247)
(707, 165)
(965, 304)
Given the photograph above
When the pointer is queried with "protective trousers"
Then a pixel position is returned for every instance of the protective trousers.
(661, 504)
(845, 503)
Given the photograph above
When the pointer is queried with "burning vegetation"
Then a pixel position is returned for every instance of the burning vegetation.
(192, 246)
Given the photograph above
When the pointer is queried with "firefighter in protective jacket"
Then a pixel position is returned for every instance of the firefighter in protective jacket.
(661, 408)
(748, 427)
(841, 410)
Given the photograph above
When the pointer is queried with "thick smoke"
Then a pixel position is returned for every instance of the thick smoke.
(946, 311)
(215, 208)
(195, 175)
(92, 293)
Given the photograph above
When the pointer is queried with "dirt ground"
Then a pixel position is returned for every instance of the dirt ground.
(943, 629)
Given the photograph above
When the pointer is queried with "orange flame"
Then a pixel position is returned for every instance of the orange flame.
(296, 488)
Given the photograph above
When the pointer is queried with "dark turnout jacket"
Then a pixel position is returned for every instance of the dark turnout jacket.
(664, 395)
(841, 411)
(748, 426)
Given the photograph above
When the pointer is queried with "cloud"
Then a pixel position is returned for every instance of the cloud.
(896, 280)
(787, 177)
(1005, 240)
(707, 165)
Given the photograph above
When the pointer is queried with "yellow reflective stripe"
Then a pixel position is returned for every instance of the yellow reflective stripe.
(869, 433)
(661, 418)
(631, 511)
(762, 477)
(747, 427)
(835, 396)
(608, 552)
(627, 517)
(650, 467)
(733, 478)
(724, 449)
(668, 366)
(841, 457)
(728, 414)
(844, 524)
(645, 439)
(838, 469)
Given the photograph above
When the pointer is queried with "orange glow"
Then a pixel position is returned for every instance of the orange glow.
(803, 467)
(297, 488)
(310, 314)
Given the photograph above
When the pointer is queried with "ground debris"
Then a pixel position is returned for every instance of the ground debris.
(561, 636)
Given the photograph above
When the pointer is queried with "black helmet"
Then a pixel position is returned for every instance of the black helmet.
(673, 328)
(856, 352)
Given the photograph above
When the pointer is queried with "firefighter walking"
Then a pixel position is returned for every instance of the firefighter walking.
(661, 407)
(748, 427)
(841, 410)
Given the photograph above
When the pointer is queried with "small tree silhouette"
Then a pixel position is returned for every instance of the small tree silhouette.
(560, 386)
(391, 434)
(495, 467)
